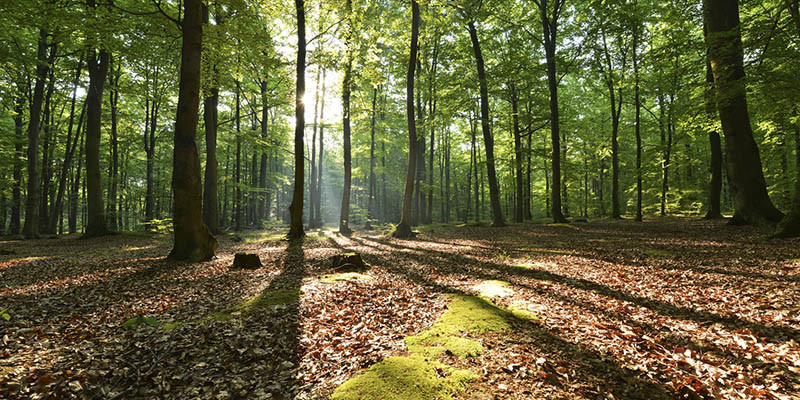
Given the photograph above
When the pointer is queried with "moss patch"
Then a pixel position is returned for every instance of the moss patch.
(403, 378)
(466, 314)
(520, 310)
(345, 276)
(656, 253)
(272, 298)
(492, 289)
(531, 265)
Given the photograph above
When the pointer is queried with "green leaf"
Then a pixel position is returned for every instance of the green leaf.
(5, 315)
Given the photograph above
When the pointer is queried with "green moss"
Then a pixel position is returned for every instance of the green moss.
(466, 314)
(152, 321)
(531, 265)
(171, 326)
(403, 378)
(520, 310)
(656, 253)
(492, 289)
(345, 276)
(273, 298)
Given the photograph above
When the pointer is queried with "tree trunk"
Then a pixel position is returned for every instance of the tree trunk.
(715, 186)
(318, 200)
(193, 240)
(47, 152)
(31, 228)
(550, 30)
(344, 216)
(372, 189)
(312, 209)
(76, 183)
(747, 185)
(296, 208)
(237, 173)
(638, 105)
(69, 152)
(262, 172)
(15, 225)
(520, 197)
(211, 119)
(114, 141)
(403, 230)
(488, 140)
(97, 62)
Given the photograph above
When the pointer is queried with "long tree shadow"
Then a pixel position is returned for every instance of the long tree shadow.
(775, 333)
(593, 371)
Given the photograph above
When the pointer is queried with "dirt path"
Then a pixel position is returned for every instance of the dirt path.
(665, 309)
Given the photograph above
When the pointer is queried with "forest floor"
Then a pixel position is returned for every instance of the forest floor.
(668, 308)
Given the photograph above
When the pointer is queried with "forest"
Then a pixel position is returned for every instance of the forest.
(400, 199)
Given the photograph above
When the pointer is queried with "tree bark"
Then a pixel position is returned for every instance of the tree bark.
(31, 228)
(488, 140)
(211, 174)
(15, 225)
(549, 32)
(296, 208)
(344, 216)
(520, 197)
(372, 188)
(715, 185)
(318, 200)
(193, 241)
(97, 63)
(403, 229)
(752, 204)
(262, 172)
(638, 106)
(113, 174)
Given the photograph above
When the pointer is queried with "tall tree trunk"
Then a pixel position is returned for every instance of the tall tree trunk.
(262, 172)
(752, 204)
(318, 201)
(715, 185)
(372, 195)
(113, 89)
(312, 209)
(638, 106)
(237, 173)
(76, 183)
(488, 140)
(344, 216)
(31, 228)
(211, 119)
(97, 62)
(520, 197)
(403, 229)
(150, 151)
(15, 226)
(296, 208)
(549, 32)
(193, 240)
(47, 152)
(69, 151)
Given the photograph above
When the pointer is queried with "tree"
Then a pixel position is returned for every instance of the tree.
(31, 228)
(192, 239)
(488, 139)
(296, 208)
(210, 119)
(752, 204)
(344, 218)
(403, 229)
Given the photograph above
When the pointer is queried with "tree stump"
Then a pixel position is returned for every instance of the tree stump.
(349, 262)
(246, 261)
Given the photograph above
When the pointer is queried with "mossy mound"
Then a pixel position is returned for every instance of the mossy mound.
(404, 378)
(492, 289)
(272, 298)
(345, 276)
(466, 314)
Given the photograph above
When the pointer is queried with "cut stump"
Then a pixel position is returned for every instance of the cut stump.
(349, 262)
(246, 261)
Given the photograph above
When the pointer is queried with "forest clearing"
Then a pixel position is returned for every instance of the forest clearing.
(668, 308)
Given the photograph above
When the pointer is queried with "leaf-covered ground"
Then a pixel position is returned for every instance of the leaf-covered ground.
(669, 308)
